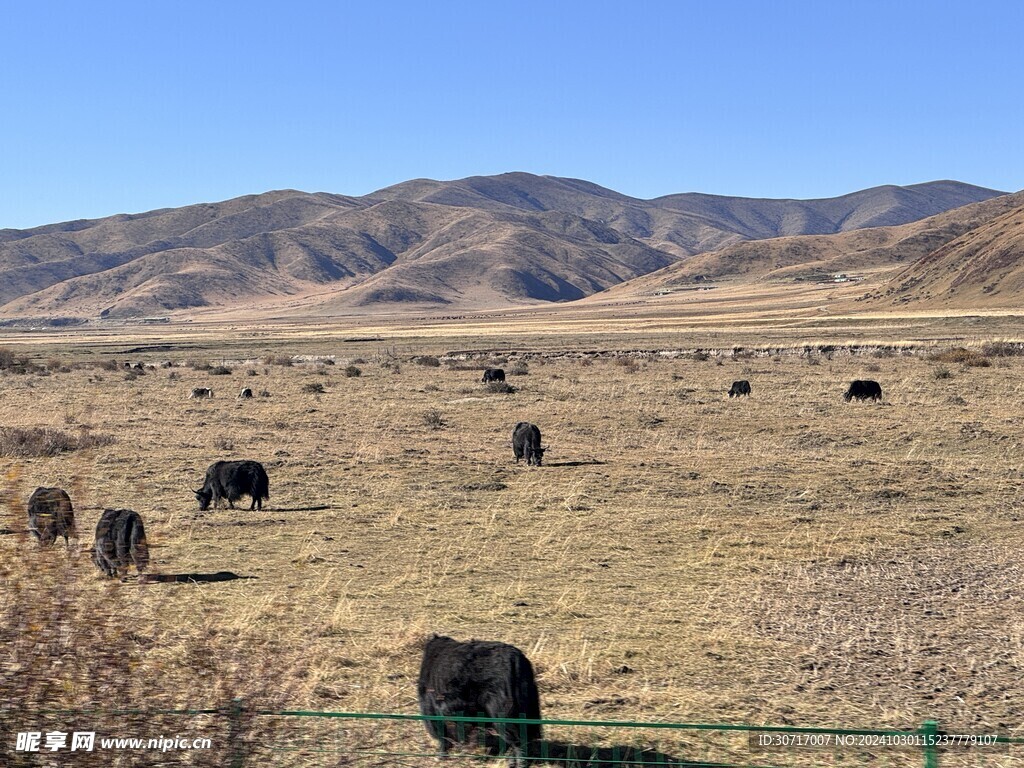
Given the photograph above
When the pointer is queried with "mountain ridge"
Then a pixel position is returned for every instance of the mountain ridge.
(478, 242)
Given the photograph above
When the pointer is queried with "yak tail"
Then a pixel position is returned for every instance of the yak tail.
(527, 697)
(138, 546)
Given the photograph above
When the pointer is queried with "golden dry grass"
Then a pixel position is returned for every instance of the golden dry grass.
(786, 558)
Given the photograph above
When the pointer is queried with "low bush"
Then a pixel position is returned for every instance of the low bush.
(1002, 349)
(969, 357)
(42, 441)
(433, 419)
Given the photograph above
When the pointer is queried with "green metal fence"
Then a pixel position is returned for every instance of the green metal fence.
(246, 736)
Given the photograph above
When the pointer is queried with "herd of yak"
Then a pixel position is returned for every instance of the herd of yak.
(472, 679)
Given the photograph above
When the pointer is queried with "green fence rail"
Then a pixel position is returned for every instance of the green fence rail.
(779, 746)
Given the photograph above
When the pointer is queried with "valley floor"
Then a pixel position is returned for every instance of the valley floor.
(787, 558)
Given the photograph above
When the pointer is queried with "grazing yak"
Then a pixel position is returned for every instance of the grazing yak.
(863, 390)
(494, 374)
(120, 542)
(50, 515)
(526, 443)
(231, 480)
(739, 388)
(245, 394)
(479, 679)
(200, 392)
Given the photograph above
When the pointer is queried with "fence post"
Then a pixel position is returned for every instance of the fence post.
(930, 729)
(235, 733)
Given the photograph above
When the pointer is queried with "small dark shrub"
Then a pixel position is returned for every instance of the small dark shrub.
(41, 441)
(223, 444)
(252, 372)
(519, 369)
(283, 360)
(108, 365)
(1002, 349)
(173, 376)
(962, 355)
(942, 373)
(313, 388)
(500, 387)
(352, 371)
(427, 360)
(220, 370)
(264, 393)
(433, 419)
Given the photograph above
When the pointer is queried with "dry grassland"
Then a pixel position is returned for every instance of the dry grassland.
(786, 558)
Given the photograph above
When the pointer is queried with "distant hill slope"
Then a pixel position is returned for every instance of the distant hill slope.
(982, 267)
(786, 257)
(477, 242)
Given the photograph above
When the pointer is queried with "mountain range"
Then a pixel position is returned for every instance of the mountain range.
(475, 243)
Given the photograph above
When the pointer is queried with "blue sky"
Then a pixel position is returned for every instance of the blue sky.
(128, 106)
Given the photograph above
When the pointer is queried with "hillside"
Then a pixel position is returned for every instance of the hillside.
(983, 267)
(821, 255)
(474, 243)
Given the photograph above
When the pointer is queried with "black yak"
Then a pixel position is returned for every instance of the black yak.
(863, 390)
(245, 394)
(120, 542)
(494, 374)
(200, 392)
(50, 515)
(231, 480)
(479, 679)
(739, 388)
(526, 443)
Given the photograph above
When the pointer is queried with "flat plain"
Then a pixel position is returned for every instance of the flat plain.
(787, 558)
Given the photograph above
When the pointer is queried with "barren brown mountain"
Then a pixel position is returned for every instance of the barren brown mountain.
(984, 266)
(820, 255)
(480, 242)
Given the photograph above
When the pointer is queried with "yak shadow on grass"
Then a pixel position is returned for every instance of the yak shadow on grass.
(584, 756)
(560, 753)
(317, 508)
(190, 578)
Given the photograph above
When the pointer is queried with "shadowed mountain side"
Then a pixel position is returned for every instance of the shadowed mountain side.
(692, 222)
(786, 257)
(479, 242)
(487, 260)
(982, 268)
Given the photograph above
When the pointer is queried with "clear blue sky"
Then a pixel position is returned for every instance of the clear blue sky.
(128, 106)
